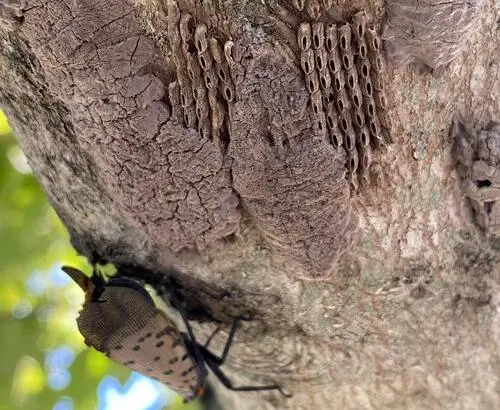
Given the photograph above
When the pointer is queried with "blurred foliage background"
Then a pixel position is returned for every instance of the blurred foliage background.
(44, 363)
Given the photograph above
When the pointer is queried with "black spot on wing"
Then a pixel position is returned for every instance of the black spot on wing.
(186, 372)
(184, 357)
(136, 348)
(165, 332)
(156, 358)
(173, 360)
(160, 344)
(168, 372)
(128, 363)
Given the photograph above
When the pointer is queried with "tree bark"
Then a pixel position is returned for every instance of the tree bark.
(383, 295)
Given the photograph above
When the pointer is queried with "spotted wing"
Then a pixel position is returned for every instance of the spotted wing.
(158, 351)
(132, 331)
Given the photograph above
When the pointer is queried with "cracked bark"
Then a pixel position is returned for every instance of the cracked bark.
(385, 297)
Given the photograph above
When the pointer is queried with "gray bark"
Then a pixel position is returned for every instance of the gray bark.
(384, 296)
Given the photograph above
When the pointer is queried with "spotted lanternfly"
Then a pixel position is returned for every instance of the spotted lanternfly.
(120, 319)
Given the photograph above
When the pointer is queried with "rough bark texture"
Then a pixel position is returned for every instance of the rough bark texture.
(429, 32)
(185, 142)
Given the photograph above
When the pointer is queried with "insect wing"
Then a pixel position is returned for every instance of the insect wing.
(157, 351)
(125, 325)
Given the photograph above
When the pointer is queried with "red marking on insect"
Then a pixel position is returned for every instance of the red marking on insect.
(201, 391)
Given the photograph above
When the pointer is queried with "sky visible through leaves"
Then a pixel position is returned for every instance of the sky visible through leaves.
(44, 364)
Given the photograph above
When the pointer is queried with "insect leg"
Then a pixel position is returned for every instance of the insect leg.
(212, 357)
(207, 343)
(176, 303)
(188, 326)
(214, 366)
(229, 340)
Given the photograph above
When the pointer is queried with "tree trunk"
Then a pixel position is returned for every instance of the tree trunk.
(369, 287)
